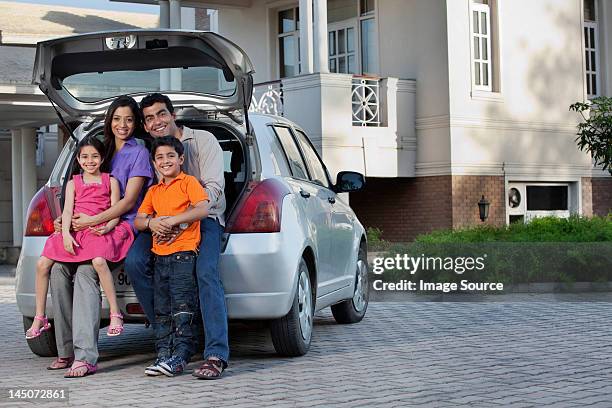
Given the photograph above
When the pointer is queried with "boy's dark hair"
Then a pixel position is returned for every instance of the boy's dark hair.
(154, 98)
(167, 141)
(96, 144)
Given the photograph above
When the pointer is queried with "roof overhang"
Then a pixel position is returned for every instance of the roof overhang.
(214, 4)
(24, 106)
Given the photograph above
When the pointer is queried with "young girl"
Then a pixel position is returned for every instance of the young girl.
(90, 192)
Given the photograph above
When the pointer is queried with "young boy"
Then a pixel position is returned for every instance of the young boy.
(175, 293)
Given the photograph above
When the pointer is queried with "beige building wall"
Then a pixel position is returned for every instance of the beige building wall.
(413, 44)
(524, 126)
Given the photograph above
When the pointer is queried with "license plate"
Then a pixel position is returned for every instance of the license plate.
(122, 282)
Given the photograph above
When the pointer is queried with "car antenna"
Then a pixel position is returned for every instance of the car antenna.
(61, 118)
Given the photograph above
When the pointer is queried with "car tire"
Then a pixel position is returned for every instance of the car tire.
(43, 345)
(352, 310)
(292, 333)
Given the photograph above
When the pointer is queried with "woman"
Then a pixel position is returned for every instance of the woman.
(130, 163)
(131, 167)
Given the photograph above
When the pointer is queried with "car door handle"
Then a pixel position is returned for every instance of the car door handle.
(304, 194)
(331, 200)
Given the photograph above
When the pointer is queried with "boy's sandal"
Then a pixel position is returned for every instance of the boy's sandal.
(61, 363)
(79, 364)
(116, 329)
(32, 333)
(213, 367)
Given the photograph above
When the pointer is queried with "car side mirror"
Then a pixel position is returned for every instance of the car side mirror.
(349, 182)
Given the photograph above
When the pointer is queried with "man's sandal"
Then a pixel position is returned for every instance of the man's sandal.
(78, 364)
(214, 366)
(117, 329)
(32, 333)
(61, 363)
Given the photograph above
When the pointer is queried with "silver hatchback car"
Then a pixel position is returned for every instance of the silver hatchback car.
(291, 247)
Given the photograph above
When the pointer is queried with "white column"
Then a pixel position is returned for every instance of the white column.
(28, 167)
(164, 22)
(16, 186)
(321, 62)
(306, 47)
(176, 74)
(213, 16)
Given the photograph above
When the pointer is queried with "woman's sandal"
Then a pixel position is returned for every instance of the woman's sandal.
(117, 329)
(61, 363)
(78, 364)
(33, 333)
(212, 365)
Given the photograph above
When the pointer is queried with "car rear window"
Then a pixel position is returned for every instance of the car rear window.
(96, 86)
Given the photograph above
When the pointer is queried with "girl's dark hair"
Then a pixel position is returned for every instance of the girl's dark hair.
(109, 137)
(96, 144)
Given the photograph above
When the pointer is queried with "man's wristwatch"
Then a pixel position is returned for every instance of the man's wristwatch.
(183, 226)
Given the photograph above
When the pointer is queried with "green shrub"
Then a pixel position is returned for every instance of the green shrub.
(547, 229)
(548, 249)
(375, 240)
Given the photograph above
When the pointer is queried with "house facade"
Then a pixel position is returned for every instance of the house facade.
(438, 102)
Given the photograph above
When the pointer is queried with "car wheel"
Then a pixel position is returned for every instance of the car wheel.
(352, 310)
(43, 345)
(291, 333)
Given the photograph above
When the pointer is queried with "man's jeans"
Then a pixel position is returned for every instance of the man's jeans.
(138, 266)
(176, 303)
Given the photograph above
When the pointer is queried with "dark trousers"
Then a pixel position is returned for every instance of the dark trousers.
(176, 304)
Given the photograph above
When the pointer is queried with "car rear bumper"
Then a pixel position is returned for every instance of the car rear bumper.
(257, 271)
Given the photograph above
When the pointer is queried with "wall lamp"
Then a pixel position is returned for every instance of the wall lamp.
(483, 208)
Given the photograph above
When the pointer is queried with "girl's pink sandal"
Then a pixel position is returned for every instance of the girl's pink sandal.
(115, 330)
(33, 333)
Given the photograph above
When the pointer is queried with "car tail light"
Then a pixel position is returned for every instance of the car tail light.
(39, 218)
(259, 209)
(134, 308)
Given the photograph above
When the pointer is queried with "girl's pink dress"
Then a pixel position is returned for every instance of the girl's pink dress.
(91, 199)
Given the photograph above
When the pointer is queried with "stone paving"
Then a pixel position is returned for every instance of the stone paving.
(429, 354)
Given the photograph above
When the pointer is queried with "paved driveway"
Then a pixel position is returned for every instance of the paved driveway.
(401, 355)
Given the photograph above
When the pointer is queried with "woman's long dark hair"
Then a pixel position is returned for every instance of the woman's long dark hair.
(109, 137)
(96, 144)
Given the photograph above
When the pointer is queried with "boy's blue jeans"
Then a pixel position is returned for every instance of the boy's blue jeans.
(176, 304)
(138, 266)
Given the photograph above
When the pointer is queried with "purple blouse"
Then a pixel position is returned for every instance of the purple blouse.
(132, 161)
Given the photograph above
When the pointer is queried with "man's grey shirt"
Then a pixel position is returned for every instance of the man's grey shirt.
(204, 161)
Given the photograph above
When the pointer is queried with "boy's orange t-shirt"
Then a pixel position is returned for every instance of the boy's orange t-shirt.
(173, 199)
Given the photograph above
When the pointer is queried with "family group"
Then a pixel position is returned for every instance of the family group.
(150, 194)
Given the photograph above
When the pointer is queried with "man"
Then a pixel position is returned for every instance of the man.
(204, 161)
(76, 327)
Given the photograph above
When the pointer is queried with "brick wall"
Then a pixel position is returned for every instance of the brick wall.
(602, 195)
(406, 207)
(467, 192)
(587, 197)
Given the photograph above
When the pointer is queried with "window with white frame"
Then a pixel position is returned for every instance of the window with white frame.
(289, 42)
(591, 49)
(368, 38)
(352, 38)
(481, 45)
